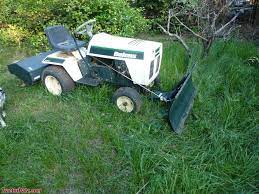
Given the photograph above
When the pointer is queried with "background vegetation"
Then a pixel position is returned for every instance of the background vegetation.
(158, 10)
(25, 20)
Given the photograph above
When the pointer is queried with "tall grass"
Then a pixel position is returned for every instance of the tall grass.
(80, 143)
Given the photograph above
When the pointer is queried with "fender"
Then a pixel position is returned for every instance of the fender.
(69, 63)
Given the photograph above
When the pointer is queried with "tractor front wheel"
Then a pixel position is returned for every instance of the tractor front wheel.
(56, 80)
(127, 100)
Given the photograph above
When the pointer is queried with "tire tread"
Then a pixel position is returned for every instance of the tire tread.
(60, 73)
(131, 93)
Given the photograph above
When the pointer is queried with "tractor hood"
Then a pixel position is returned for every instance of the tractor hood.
(115, 46)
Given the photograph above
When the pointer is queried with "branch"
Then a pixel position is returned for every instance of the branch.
(194, 33)
(220, 11)
(169, 19)
(141, 189)
(224, 7)
(176, 36)
(233, 28)
(226, 25)
(196, 15)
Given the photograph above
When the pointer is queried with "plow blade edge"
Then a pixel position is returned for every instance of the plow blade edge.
(182, 104)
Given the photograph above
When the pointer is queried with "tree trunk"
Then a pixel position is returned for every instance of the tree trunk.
(206, 46)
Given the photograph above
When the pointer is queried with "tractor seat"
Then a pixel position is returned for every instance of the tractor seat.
(61, 40)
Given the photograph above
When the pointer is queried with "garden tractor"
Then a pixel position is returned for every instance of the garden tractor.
(131, 64)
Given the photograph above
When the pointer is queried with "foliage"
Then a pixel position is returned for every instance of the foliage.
(12, 34)
(113, 16)
(153, 9)
(157, 10)
(116, 16)
(80, 143)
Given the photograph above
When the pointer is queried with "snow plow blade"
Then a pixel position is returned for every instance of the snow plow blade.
(182, 98)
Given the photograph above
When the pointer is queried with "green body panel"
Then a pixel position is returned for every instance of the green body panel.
(54, 60)
(108, 75)
(181, 105)
(103, 72)
(84, 66)
(111, 52)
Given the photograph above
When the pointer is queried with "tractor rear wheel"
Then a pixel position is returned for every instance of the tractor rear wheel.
(56, 80)
(127, 100)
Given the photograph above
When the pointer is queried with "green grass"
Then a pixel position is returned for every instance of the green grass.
(80, 143)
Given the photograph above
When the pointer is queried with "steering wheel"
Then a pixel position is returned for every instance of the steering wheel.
(86, 28)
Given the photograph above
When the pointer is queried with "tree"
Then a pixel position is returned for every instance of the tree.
(210, 22)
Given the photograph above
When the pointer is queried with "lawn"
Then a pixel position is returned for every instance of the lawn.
(80, 143)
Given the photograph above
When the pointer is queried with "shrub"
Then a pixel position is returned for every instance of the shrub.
(12, 34)
(113, 16)
(157, 10)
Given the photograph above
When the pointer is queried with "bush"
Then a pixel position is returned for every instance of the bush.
(113, 16)
(157, 10)
(12, 34)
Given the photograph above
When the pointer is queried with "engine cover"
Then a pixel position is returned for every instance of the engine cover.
(142, 57)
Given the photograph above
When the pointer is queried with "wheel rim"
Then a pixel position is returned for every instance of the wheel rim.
(125, 104)
(53, 85)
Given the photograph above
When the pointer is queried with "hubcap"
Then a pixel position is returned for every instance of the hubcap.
(125, 104)
(53, 85)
